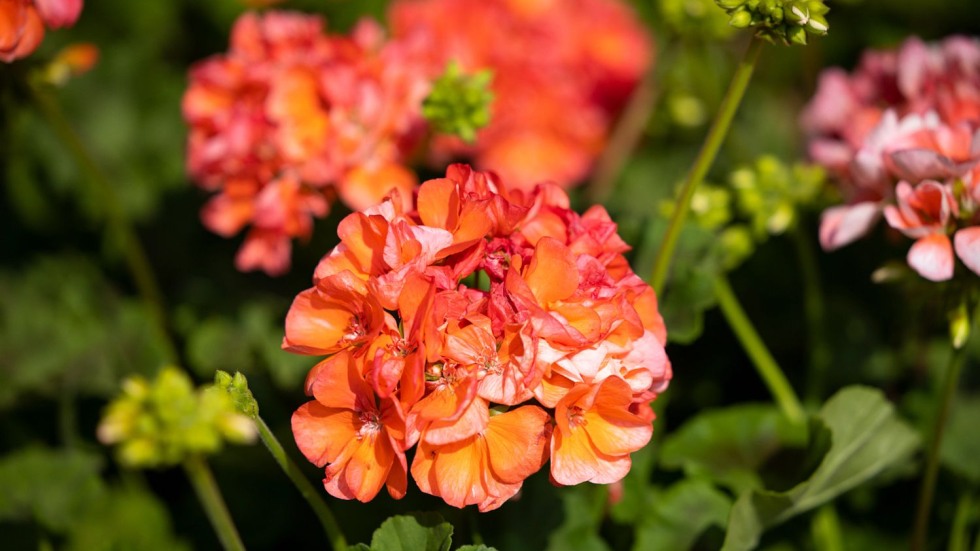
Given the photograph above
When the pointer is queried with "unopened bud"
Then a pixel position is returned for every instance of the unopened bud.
(959, 326)
(741, 19)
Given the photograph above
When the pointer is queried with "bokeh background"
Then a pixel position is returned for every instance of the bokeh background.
(71, 326)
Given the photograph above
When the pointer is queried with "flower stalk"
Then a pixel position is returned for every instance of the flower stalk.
(117, 224)
(706, 157)
(210, 496)
(928, 488)
(761, 358)
(309, 493)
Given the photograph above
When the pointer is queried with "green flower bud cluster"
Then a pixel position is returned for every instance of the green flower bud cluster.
(763, 200)
(785, 21)
(459, 104)
(237, 387)
(695, 19)
(769, 193)
(162, 422)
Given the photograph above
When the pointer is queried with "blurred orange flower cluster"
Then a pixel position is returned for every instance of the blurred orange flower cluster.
(290, 116)
(22, 23)
(494, 327)
(563, 70)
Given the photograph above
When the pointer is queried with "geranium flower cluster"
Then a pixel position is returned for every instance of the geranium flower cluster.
(494, 328)
(562, 71)
(22, 23)
(292, 115)
(902, 136)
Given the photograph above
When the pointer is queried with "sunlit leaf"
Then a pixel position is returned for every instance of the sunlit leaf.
(862, 436)
(418, 532)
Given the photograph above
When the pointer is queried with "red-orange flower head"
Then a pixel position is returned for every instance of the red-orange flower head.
(562, 71)
(902, 136)
(292, 115)
(22, 23)
(494, 328)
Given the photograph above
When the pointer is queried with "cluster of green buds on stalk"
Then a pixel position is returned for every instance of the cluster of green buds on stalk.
(785, 21)
(162, 422)
(459, 103)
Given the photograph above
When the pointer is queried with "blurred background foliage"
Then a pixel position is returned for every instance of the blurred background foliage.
(71, 325)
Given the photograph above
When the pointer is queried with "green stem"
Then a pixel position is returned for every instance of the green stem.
(763, 361)
(928, 488)
(210, 497)
(959, 538)
(814, 309)
(302, 484)
(706, 157)
(117, 222)
(825, 528)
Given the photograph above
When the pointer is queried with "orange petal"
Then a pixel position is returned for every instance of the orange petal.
(369, 466)
(438, 204)
(459, 471)
(517, 442)
(313, 326)
(472, 421)
(322, 433)
(552, 275)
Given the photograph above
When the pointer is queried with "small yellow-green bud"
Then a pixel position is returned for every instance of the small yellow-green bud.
(797, 35)
(237, 387)
(741, 19)
(959, 326)
(729, 4)
(783, 21)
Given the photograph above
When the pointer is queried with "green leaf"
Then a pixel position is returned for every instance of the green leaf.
(417, 532)
(729, 445)
(480, 547)
(961, 447)
(71, 334)
(680, 514)
(585, 506)
(54, 487)
(862, 436)
(125, 519)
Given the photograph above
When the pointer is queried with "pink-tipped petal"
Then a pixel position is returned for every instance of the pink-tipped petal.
(967, 244)
(59, 13)
(932, 257)
(845, 224)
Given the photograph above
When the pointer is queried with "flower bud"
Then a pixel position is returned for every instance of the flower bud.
(959, 326)
(459, 104)
(741, 19)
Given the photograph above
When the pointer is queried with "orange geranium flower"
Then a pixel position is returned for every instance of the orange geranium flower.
(474, 300)
(488, 468)
(596, 431)
(345, 428)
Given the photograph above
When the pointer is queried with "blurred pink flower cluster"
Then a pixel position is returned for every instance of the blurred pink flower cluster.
(902, 136)
(292, 115)
(563, 70)
(22, 23)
